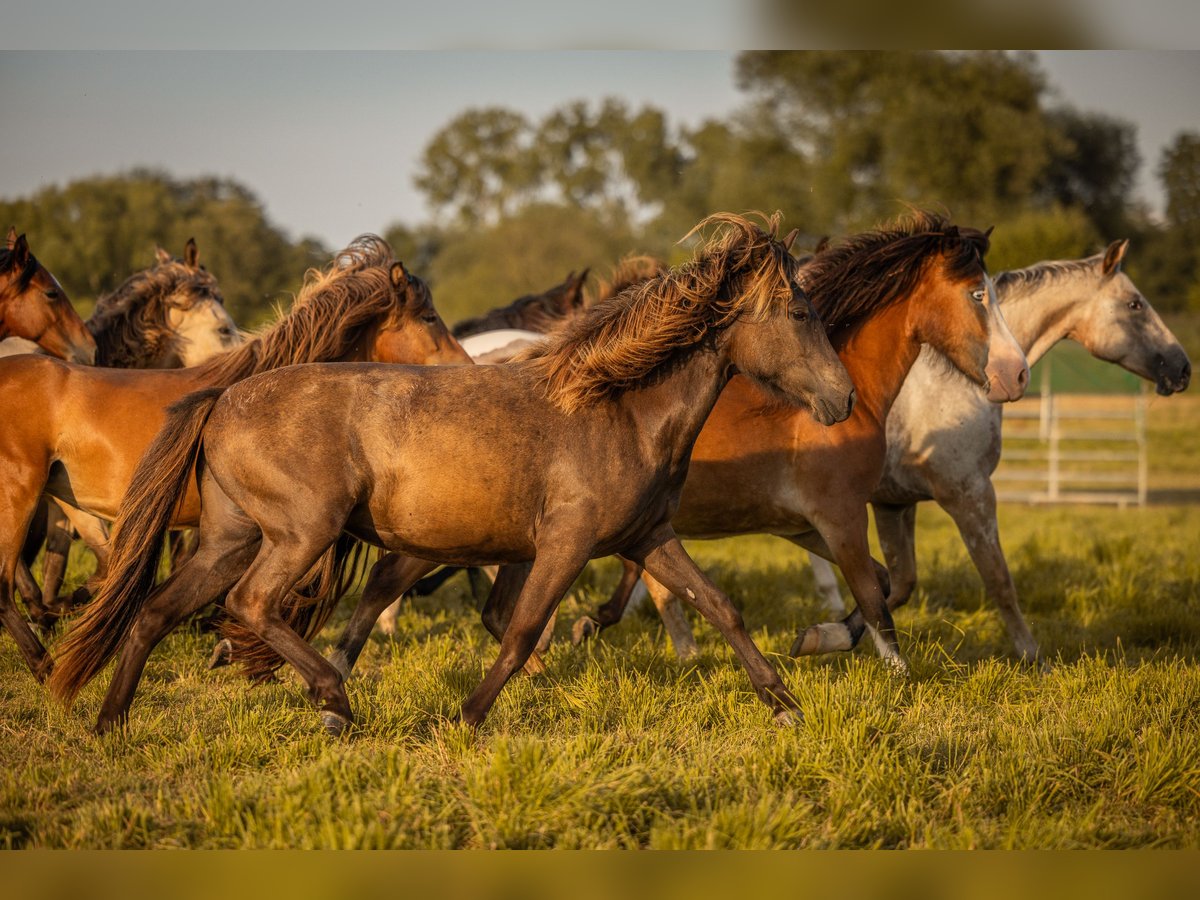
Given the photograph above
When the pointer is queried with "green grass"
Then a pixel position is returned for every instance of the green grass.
(621, 746)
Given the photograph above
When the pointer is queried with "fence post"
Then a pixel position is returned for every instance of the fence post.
(1139, 418)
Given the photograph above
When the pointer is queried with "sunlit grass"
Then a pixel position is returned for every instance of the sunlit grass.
(621, 746)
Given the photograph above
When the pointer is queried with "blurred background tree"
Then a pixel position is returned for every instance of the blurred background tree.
(838, 141)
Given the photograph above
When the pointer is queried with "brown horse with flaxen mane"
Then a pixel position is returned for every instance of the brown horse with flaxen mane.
(34, 306)
(77, 432)
(541, 464)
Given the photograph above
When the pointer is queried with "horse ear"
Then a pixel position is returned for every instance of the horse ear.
(1113, 257)
(191, 255)
(790, 239)
(161, 256)
(988, 233)
(12, 236)
(574, 295)
(822, 245)
(399, 276)
(20, 253)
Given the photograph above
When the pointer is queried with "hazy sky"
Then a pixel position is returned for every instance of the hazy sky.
(329, 141)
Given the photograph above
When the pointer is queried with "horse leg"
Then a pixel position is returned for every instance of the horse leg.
(423, 588)
(974, 512)
(18, 503)
(548, 578)
(222, 557)
(897, 530)
(94, 534)
(31, 648)
(846, 538)
(670, 565)
(257, 602)
(611, 612)
(54, 563)
(498, 610)
(391, 576)
(670, 610)
(827, 584)
(28, 588)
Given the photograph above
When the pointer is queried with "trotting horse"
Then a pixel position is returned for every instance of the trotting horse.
(759, 467)
(77, 432)
(943, 436)
(34, 306)
(541, 465)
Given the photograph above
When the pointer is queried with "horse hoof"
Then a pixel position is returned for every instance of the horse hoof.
(824, 638)
(687, 653)
(806, 643)
(789, 718)
(335, 724)
(222, 654)
(584, 629)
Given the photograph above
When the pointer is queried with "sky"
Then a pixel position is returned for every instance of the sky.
(330, 141)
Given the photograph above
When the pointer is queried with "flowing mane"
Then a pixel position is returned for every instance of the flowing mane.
(616, 345)
(1032, 278)
(130, 324)
(865, 273)
(332, 311)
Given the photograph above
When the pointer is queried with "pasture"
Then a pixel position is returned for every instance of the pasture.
(621, 746)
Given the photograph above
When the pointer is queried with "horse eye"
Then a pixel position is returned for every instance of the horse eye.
(1136, 303)
(979, 295)
(430, 318)
(52, 294)
(798, 314)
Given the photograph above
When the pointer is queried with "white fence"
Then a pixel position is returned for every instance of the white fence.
(1074, 448)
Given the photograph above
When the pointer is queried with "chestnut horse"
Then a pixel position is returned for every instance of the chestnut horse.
(541, 465)
(77, 432)
(34, 306)
(944, 437)
(164, 317)
(760, 467)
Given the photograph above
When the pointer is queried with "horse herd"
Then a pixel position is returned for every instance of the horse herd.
(746, 391)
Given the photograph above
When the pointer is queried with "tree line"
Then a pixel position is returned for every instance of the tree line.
(839, 141)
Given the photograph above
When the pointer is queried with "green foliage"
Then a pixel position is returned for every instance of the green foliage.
(1034, 235)
(95, 232)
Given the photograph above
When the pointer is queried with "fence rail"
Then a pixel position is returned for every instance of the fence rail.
(1074, 448)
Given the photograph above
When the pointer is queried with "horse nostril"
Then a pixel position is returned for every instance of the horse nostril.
(1023, 377)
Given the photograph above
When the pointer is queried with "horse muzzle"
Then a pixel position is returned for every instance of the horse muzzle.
(1174, 372)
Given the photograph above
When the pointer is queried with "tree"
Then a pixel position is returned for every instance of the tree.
(1094, 167)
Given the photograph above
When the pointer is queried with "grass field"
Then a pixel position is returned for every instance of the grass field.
(621, 746)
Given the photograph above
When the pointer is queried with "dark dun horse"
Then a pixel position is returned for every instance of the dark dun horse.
(542, 465)
(34, 306)
(77, 432)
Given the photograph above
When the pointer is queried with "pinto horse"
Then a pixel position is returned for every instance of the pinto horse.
(77, 432)
(944, 437)
(759, 467)
(34, 306)
(541, 465)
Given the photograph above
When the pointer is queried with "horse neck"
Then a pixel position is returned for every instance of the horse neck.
(1041, 317)
(671, 411)
(878, 355)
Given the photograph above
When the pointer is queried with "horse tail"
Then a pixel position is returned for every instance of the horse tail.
(306, 610)
(151, 500)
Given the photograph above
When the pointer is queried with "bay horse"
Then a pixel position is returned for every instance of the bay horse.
(759, 467)
(576, 452)
(77, 432)
(34, 306)
(943, 436)
(540, 313)
(167, 316)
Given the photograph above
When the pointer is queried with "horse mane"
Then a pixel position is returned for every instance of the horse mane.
(628, 271)
(858, 276)
(618, 344)
(533, 312)
(130, 325)
(329, 316)
(1031, 278)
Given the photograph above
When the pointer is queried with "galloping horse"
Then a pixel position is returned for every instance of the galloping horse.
(164, 317)
(541, 464)
(77, 432)
(944, 437)
(760, 467)
(34, 306)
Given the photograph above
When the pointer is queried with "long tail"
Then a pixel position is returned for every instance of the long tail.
(307, 608)
(150, 501)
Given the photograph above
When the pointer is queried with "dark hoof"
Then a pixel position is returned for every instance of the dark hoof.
(584, 629)
(222, 654)
(789, 718)
(335, 724)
